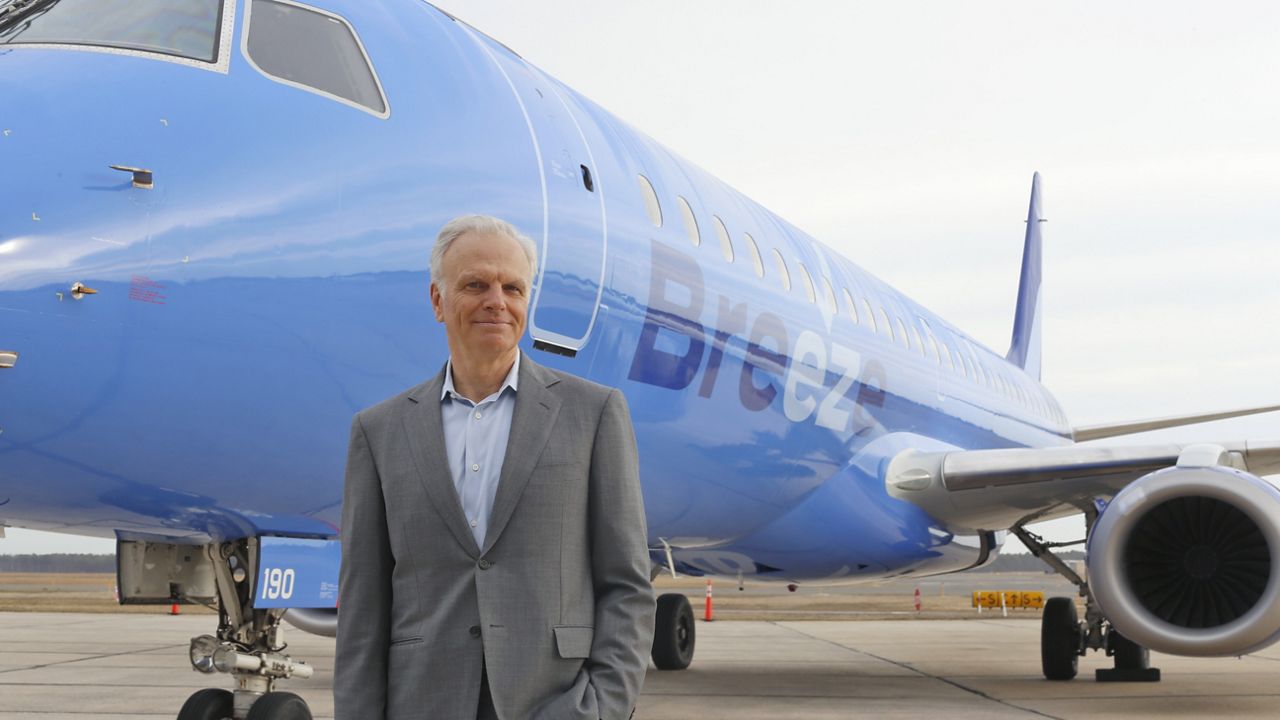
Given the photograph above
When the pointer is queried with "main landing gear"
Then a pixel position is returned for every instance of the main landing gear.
(674, 633)
(249, 645)
(1064, 638)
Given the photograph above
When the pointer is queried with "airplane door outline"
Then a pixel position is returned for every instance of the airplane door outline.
(554, 333)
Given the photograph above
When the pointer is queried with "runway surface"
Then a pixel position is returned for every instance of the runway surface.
(56, 666)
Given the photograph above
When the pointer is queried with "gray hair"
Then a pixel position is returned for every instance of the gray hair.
(482, 224)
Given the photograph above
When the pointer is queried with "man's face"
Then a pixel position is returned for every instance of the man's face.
(483, 296)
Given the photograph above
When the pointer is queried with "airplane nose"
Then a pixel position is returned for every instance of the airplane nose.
(84, 156)
(75, 242)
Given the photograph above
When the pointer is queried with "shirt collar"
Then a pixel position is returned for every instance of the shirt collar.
(512, 380)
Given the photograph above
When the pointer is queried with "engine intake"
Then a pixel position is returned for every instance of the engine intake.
(1186, 560)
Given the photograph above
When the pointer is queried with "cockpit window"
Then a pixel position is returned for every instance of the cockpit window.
(312, 50)
(183, 28)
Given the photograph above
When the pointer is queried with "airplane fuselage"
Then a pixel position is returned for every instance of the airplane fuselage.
(273, 281)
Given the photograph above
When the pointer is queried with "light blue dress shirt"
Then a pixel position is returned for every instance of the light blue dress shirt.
(475, 440)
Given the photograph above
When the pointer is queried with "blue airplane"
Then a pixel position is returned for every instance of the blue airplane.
(214, 242)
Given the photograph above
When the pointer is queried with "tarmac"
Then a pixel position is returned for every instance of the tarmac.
(75, 666)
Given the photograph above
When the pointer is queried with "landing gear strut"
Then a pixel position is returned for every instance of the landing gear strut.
(1064, 639)
(1132, 661)
(248, 645)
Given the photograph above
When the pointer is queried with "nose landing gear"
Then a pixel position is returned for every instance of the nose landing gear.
(249, 645)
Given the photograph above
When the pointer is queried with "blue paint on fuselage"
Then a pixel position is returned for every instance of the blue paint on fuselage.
(275, 281)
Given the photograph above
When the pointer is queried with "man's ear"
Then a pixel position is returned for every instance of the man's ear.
(435, 302)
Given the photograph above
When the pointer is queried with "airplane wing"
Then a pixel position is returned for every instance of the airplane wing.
(1097, 432)
(1181, 555)
(999, 489)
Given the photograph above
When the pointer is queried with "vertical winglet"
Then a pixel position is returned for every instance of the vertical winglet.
(1024, 348)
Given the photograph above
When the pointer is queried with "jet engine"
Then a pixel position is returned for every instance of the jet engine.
(1186, 560)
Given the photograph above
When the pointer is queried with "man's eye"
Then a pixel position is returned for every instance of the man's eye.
(515, 290)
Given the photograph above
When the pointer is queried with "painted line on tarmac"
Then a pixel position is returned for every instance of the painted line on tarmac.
(132, 651)
(922, 673)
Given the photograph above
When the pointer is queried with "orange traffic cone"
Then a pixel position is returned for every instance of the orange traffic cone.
(706, 616)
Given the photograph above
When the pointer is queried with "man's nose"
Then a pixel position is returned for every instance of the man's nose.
(494, 298)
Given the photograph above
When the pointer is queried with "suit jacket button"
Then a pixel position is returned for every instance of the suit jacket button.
(484, 564)
(475, 631)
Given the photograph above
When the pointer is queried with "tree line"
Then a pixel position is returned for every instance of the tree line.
(1026, 562)
(58, 563)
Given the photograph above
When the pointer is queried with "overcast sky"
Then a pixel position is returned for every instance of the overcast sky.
(904, 135)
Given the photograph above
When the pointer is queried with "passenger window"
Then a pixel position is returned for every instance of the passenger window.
(726, 247)
(902, 333)
(650, 200)
(883, 322)
(973, 358)
(690, 223)
(782, 270)
(933, 341)
(853, 307)
(313, 50)
(756, 261)
(831, 296)
(808, 283)
(870, 316)
(919, 339)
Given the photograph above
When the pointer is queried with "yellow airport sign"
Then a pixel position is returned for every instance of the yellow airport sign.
(1008, 599)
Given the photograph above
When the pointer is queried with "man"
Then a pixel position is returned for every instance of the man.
(494, 552)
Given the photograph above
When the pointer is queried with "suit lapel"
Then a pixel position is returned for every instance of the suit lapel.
(531, 422)
(424, 431)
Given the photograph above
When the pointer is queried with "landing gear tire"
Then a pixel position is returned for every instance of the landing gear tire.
(674, 633)
(207, 704)
(1060, 639)
(279, 706)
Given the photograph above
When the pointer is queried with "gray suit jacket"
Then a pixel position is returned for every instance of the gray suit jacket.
(557, 605)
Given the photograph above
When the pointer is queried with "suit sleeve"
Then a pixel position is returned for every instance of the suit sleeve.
(364, 589)
(624, 604)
